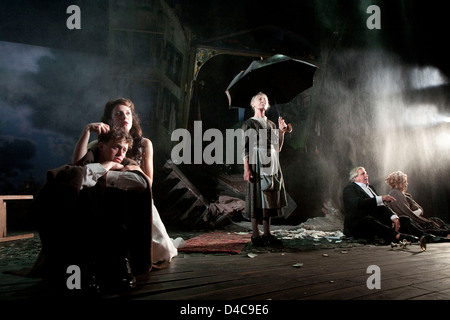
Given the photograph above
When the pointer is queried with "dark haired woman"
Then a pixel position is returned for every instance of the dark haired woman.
(121, 113)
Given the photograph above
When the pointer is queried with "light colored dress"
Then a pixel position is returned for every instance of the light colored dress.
(164, 249)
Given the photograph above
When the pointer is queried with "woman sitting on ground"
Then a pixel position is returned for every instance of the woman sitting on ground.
(406, 206)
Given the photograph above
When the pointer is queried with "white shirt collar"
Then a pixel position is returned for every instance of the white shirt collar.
(365, 187)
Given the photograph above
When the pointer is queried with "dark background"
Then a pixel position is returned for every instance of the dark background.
(54, 80)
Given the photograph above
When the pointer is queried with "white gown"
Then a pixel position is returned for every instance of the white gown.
(163, 246)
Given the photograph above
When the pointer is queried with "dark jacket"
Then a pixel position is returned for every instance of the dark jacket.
(358, 204)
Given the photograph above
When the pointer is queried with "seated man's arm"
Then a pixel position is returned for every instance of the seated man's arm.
(124, 180)
(92, 173)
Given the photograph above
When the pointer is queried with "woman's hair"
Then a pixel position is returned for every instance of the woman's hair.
(136, 131)
(396, 180)
(109, 107)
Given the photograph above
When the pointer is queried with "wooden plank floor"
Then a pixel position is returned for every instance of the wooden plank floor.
(325, 274)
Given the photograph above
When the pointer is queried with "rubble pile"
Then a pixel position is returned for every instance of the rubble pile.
(332, 221)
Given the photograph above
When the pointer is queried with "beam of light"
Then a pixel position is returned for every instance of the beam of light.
(426, 77)
(423, 116)
(442, 141)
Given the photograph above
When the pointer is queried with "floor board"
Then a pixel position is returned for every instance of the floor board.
(325, 274)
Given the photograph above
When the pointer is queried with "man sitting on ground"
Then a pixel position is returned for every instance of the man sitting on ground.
(367, 217)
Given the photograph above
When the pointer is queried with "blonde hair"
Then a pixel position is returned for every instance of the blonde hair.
(397, 180)
(257, 95)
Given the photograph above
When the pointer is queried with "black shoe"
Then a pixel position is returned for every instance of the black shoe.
(126, 278)
(258, 242)
(270, 240)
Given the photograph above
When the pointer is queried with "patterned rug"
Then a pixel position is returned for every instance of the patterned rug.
(215, 242)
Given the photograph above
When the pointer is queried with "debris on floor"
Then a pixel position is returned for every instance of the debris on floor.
(302, 233)
(332, 220)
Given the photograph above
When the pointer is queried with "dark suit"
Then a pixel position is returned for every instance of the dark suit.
(363, 218)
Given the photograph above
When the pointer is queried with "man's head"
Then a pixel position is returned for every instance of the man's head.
(260, 101)
(113, 145)
(359, 174)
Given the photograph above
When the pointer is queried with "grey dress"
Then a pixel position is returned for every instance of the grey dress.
(405, 207)
(266, 195)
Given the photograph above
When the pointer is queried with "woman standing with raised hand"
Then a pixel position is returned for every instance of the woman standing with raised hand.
(265, 195)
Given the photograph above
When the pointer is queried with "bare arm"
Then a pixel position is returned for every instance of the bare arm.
(281, 140)
(248, 175)
(147, 159)
(282, 125)
(81, 146)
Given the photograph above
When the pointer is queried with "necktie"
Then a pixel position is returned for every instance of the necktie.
(371, 191)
